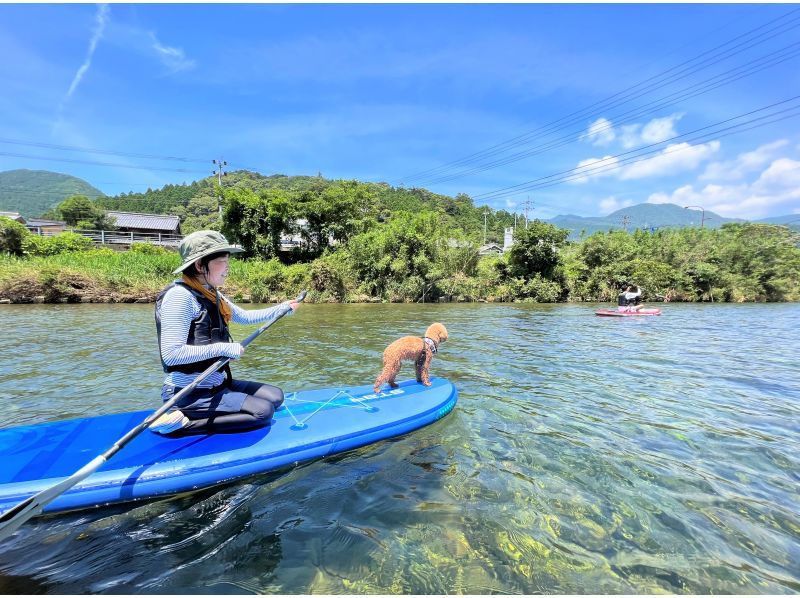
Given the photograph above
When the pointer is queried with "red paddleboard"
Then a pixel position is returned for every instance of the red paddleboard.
(648, 311)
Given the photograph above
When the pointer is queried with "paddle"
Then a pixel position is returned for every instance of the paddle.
(30, 507)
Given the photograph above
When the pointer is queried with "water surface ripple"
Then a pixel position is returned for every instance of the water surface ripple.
(585, 454)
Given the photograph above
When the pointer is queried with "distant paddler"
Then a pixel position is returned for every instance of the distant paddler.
(630, 299)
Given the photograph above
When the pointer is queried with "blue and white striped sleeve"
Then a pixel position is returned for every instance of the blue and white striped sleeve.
(178, 309)
(256, 316)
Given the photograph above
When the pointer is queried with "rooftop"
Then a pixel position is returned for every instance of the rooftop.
(145, 221)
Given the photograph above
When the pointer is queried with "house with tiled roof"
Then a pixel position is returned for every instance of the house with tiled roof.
(131, 222)
(44, 227)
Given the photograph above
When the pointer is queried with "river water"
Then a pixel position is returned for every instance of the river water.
(585, 455)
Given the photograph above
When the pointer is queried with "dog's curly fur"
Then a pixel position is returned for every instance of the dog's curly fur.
(410, 348)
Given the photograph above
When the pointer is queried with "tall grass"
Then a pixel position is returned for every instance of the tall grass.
(142, 273)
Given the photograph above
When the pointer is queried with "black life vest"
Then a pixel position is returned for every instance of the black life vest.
(207, 328)
(623, 302)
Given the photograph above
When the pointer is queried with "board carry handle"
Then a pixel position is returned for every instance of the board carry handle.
(32, 506)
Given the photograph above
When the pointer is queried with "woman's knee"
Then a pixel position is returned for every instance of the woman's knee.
(273, 394)
(260, 390)
(261, 409)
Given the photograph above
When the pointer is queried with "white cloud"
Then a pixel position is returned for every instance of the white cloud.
(173, 58)
(777, 189)
(600, 132)
(101, 18)
(612, 204)
(743, 164)
(660, 129)
(630, 135)
(593, 168)
(673, 159)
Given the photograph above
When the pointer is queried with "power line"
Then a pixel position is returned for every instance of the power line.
(638, 112)
(596, 107)
(76, 161)
(633, 159)
(99, 151)
(582, 171)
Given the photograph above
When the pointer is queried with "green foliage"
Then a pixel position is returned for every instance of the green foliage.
(81, 212)
(335, 213)
(12, 236)
(257, 220)
(149, 249)
(738, 262)
(264, 279)
(61, 243)
(76, 208)
(330, 276)
(367, 241)
(396, 261)
(536, 249)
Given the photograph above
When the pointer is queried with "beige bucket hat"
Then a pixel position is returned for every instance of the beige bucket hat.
(201, 243)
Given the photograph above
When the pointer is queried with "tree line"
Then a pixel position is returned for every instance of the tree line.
(370, 241)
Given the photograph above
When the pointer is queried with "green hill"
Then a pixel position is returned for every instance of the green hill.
(34, 192)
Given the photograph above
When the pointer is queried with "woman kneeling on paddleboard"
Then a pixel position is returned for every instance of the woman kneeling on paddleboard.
(630, 299)
(192, 319)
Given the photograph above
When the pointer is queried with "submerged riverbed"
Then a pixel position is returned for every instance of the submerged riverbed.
(585, 455)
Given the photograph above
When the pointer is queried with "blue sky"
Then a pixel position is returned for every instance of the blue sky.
(501, 102)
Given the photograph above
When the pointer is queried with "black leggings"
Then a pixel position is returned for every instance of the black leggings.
(260, 403)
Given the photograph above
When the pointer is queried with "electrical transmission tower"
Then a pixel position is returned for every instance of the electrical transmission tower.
(528, 206)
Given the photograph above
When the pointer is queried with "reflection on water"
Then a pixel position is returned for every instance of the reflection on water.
(585, 455)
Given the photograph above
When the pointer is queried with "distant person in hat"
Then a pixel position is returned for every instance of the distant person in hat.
(192, 319)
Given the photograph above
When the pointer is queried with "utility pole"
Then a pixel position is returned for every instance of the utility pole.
(220, 173)
(485, 214)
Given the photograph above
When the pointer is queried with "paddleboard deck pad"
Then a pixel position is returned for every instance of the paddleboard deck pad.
(623, 314)
(310, 424)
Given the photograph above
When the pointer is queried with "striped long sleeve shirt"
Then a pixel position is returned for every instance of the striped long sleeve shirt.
(178, 309)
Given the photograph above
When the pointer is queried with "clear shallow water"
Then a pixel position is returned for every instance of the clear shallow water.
(585, 455)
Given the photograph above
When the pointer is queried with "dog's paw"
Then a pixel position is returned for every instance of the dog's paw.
(427, 383)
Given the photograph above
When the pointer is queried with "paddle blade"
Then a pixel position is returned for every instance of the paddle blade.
(30, 507)
(17, 515)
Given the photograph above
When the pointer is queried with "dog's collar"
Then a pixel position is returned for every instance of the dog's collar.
(431, 343)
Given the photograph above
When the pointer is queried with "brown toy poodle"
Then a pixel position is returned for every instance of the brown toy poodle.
(411, 348)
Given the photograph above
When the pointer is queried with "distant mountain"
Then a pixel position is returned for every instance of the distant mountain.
(645, 216)
(33, 192)
(792, 219)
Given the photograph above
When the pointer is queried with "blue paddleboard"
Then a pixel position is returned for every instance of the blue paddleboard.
(309, 425)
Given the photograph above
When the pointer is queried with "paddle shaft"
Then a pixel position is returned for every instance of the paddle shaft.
(32, 506)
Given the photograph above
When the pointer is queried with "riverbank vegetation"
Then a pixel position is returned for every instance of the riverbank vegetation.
(413, 257)
(362, 242)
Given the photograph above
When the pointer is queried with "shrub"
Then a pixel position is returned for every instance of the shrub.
(12, 236)
(61, 243)
(328, 276)
(148, 249)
